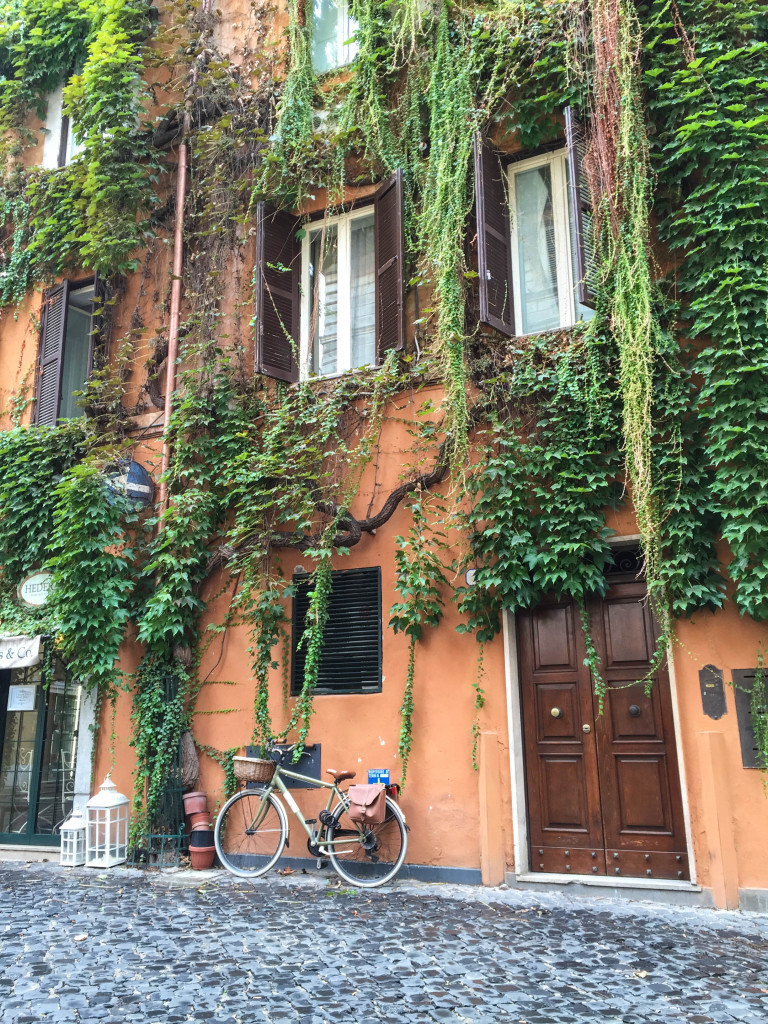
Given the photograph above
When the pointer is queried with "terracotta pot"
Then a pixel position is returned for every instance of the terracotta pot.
(195, 802)
(202, 857)
(201, 826)
(202, 839)
(199, 818)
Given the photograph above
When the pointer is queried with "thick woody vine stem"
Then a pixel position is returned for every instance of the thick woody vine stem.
(353, 528)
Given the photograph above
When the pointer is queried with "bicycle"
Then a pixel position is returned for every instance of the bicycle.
(252, 828)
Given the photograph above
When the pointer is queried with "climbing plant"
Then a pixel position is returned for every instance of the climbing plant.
(535, 437)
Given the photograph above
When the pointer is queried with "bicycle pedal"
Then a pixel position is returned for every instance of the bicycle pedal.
(310, 821)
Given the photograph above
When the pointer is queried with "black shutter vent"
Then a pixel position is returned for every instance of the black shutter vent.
(743, 681)
(351, 657)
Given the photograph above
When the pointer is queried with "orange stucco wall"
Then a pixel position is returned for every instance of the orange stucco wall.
(458, 817)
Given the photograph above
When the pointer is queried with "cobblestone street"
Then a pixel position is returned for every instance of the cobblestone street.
(137, 948)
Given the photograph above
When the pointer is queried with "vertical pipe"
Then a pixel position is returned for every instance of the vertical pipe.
(173, 327)
(178, 266)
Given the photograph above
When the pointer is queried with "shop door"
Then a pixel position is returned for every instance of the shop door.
(38, 748)
(603, 789)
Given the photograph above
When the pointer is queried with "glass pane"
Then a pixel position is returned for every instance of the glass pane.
(75, 145)
(17, 758)
(363, 297)
(539, 303)
(326, 24)
(324, 310)
(350, 50)
(57, 769)
(74, 370)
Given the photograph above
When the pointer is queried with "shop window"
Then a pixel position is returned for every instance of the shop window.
(332, 32)
(61, 144)
(66, 350)
(330, 294)
(534, 231)
(351, 657)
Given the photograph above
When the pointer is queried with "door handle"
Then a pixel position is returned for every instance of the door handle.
(556, 713)
(634, 711)
(586, 728)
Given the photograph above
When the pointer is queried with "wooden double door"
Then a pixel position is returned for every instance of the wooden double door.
(603, 789)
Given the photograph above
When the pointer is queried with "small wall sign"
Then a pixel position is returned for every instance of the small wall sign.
(21, 698)
(712, 691)
(34, 589)
(19, 651)
(130, 479)
(378, 775)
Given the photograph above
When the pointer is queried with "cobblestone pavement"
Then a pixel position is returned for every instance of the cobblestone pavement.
(128, 947)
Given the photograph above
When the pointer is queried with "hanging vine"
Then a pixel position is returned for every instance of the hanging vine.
(536, 437)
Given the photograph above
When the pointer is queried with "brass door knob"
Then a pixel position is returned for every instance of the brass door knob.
(586, 728)
(556, 713)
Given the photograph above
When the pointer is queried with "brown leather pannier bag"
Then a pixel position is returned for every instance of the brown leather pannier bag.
(367, 803)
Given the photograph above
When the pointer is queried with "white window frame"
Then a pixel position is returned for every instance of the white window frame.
(55, 125)
(345, 51)
(558, 169)
(343, 224)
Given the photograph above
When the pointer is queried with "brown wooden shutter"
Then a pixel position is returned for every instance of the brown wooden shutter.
(52, 335)
(577, 140)
(494, 241)
(278, 267)
(390, 265)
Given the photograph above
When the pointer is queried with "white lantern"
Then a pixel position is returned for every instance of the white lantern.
(73, 840)
(107, 842)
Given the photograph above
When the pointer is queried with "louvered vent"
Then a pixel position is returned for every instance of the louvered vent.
(351, 658)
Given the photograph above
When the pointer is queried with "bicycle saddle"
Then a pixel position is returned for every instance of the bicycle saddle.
(340, 776)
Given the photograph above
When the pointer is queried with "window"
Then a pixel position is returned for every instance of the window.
(544, 269)
(535, 251)
(338, 295)
(66, 350)
(351, 658)
(61, 144)
(330, 295)
(332, 32)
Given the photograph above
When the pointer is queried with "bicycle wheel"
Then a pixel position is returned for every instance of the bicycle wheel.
(368, 855)
(250, 833)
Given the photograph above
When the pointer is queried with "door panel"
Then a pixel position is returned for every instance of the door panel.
(603, 790)
(643, 795)
(563, 795)
(561, 758)
(639, 779)
(628, 637)
(554, 641)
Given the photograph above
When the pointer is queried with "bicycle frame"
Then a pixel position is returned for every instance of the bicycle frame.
(316, 837)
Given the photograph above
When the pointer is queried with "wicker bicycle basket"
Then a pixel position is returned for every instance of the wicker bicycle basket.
(253, 769)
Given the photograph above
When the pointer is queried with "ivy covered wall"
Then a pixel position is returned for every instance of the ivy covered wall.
(660, 397)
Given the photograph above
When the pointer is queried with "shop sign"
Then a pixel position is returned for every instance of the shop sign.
(34, 589)
(19, 651)
(21, 698)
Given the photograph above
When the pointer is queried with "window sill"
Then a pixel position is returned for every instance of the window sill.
(319, 377)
